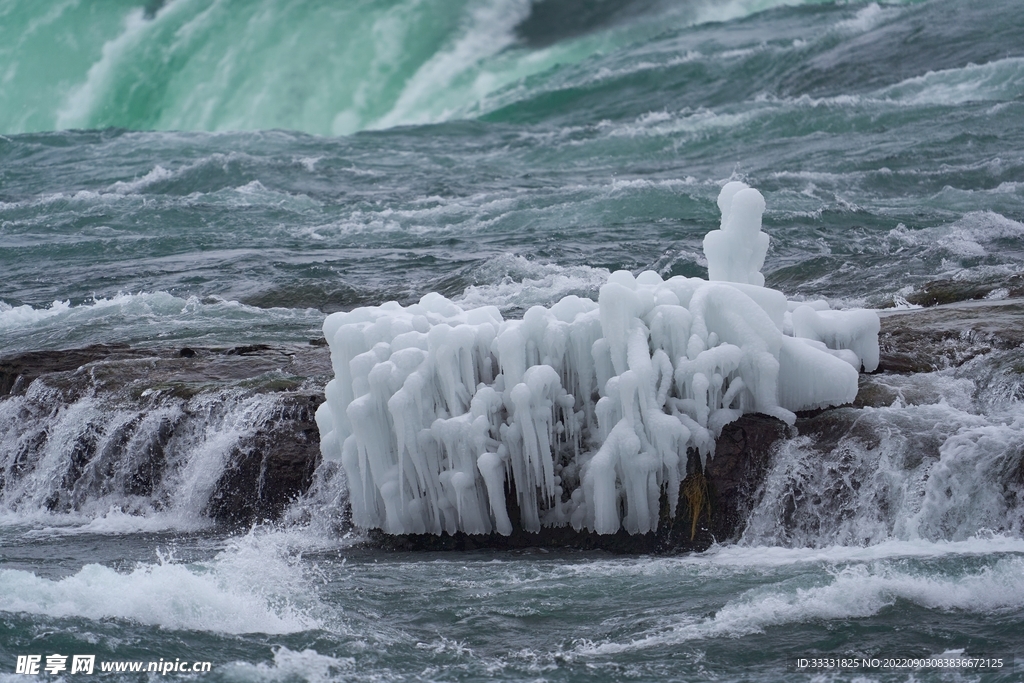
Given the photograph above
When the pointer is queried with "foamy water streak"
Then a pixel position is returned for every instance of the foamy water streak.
(150, 317)
(254, 586)
(850, 588)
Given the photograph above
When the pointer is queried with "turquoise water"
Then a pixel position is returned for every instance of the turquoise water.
(225, 172)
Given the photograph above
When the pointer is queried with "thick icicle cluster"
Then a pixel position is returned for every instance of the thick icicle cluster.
(585, 410)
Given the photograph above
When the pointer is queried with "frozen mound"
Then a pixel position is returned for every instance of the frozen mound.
(584, 411)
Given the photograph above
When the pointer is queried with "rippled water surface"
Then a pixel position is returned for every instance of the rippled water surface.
(221, 173)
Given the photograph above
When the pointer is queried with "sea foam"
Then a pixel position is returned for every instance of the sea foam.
(253, 586)
(851, 592)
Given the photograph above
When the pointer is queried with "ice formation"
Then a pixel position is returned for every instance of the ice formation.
(584, 411)
(736, 251)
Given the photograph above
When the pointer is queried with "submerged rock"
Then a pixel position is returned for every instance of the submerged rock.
(272, 467)
(929, 339)
(939, 292)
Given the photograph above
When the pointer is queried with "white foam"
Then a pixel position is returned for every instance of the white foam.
(251, 587)
(853, 592)
(431, 215)
(290, 665)
(522, 283)
(690, 122)
(158, 174)
(13, 317)
(671, 59)
(971, 235)
(760, 556)
(866, 19)
(634, 184)
(114, 522)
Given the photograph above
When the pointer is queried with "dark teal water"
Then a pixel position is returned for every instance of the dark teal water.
(886, 139)
(225, 172)
(285, 606)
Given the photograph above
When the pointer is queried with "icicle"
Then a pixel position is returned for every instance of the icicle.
(585, 409)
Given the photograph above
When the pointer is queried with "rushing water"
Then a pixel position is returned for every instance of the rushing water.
(223, 173)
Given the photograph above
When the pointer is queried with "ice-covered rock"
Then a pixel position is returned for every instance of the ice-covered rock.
(584, 411)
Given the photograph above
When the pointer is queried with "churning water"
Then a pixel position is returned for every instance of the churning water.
(225, 173)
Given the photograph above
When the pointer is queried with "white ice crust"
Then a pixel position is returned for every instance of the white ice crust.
(585, 409)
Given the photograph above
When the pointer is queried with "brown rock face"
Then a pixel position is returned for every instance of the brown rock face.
(173, 395)
(924, 340)
(742, 456)
(272, 468)
(17, 372)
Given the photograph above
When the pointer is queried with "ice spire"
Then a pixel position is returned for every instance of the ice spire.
(736, 251)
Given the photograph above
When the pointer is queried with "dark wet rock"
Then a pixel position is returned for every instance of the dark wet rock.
(742, 456)
(940, 292)
(17, 372)
(272, 468)
(929, 339)
(874, 392)
(149, 371)
(248, 350)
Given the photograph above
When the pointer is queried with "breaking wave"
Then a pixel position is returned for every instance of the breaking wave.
(857, 591)
(255, 585)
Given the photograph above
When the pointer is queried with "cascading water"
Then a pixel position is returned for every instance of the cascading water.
(943, 462)
(139, 435)
(318, 67)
